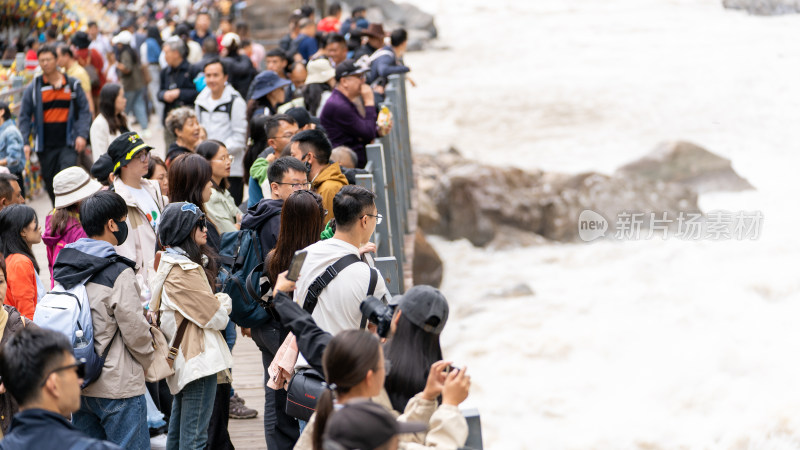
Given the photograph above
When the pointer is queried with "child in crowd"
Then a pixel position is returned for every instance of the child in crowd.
(72, 185)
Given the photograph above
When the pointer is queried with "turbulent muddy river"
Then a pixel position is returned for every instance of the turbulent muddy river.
(642, 344)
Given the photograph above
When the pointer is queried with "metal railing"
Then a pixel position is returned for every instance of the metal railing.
(391, 177)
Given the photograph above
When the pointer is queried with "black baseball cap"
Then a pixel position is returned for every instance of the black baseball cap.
(347, 68)
(425, 307)
(125, 147)
(366, 425)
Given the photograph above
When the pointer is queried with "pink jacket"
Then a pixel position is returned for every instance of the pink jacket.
(72, 232)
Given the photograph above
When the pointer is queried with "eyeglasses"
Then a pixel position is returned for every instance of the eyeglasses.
(285, 136)
(378, 218)
(143, 155)
(202, 223)
(304, 186)
(79, 366)
(225, 159)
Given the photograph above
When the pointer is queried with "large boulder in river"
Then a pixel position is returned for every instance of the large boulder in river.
(687, 164)
(764, 7)
(460, 198)
(427, 267)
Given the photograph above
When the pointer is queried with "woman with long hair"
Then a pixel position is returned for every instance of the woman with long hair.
(189, 178)
(190, 181)
(63, 226)
(183, 295)
(19, 231)
(301, 225)
(111, 121)
(423, 306)
(221, 208)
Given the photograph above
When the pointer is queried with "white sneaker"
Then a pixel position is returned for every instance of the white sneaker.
(158, 442)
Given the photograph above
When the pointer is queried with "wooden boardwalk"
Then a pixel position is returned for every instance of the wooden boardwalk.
(248, 382)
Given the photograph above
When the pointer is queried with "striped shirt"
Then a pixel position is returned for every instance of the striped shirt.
(55, 107)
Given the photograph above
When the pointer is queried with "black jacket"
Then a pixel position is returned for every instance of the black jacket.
(45, 430)
(181, 77)
(240, 72)
(265, 218)
(311, 339)
(174, 151)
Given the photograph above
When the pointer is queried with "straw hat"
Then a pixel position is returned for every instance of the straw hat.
(73, 185)
(320, 71)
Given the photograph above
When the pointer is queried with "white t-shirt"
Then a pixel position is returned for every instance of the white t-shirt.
(146, 204)
(338, 304)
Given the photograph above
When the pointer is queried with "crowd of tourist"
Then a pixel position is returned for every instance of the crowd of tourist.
(257, 140)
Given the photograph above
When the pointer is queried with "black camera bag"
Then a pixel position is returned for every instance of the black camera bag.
(307, 384)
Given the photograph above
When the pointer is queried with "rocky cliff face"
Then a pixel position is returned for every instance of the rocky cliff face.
(461, 198)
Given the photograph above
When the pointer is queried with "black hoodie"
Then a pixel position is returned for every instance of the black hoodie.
(265, 218)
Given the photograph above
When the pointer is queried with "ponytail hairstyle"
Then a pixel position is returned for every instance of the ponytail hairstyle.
(347, 359)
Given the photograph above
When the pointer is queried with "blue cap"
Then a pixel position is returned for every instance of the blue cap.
(266, 82)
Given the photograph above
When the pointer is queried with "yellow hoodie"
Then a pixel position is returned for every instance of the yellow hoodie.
(327, 183)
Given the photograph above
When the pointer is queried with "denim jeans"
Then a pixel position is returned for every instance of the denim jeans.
(138, 105)
(122, 421)
(191, 412)
(230, 339)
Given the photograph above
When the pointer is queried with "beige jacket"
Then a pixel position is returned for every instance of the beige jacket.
(181, 292)
(140, 246)
(115, 308)
(447, 427)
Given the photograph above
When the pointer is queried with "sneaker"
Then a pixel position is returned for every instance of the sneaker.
(239, 411)
(158, 442)
(237, 399)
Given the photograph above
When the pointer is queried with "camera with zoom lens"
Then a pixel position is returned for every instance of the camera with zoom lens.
(378, 313)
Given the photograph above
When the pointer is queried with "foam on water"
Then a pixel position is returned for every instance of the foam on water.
(648, 344)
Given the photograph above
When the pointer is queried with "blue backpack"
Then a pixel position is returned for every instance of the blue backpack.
(239, 274)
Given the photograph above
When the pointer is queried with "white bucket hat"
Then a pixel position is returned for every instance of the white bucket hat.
(124, 37)
(72, 185)
(320, 71)
(229, 39)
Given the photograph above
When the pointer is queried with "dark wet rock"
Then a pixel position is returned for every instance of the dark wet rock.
(427, 267)
(687, 164)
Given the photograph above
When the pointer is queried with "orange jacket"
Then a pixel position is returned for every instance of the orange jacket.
(21, 279)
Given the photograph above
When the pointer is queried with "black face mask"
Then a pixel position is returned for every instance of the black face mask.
(308, 164)
(122, 233)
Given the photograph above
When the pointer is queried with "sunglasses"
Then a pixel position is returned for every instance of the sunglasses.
(79, 366)
(202, 223)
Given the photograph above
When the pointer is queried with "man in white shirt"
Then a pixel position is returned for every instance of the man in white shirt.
(222, 112)
(338, 304)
